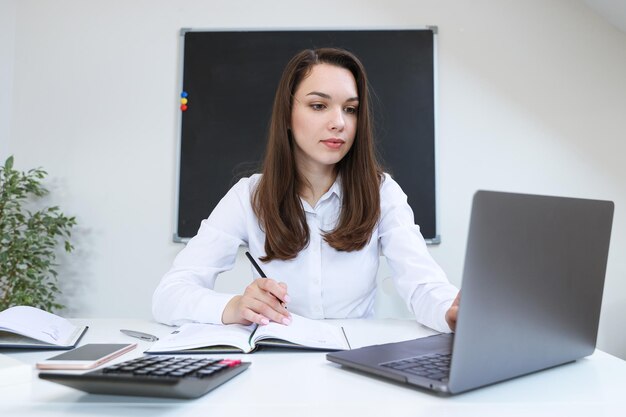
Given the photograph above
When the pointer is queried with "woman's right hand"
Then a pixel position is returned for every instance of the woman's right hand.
(260, 304)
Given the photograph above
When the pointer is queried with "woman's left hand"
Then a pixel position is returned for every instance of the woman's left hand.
(453, 311)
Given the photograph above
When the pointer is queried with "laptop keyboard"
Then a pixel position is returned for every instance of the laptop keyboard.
(432, 366)
(155, 376)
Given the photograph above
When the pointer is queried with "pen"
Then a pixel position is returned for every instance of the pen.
(260, 271)
(256, 265)
(139, 335)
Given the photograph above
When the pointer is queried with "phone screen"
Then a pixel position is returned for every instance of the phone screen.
(90, 352)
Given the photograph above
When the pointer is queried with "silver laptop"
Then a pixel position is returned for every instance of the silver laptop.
(531, 296)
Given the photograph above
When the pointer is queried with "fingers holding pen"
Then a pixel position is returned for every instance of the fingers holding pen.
(277, 289)
(262, 313)
(260, 303)
(271, 293)
(271, 298)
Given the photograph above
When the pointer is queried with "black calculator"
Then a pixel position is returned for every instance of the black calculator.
(154, 376)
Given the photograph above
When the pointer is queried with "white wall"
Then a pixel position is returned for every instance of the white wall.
(532, 98)
(7, 41)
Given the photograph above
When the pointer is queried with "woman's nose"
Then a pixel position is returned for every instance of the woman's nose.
(337, 121)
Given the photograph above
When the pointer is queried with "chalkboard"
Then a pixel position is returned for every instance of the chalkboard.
(231, 77)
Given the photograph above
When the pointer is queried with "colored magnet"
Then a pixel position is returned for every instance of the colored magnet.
(183, 107)
(184, 101)
(184, 94)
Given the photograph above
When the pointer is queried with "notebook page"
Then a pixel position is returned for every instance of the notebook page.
(306, 332)
(199, 335)
(37, 324)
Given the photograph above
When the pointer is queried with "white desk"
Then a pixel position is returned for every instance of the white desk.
(296, 384)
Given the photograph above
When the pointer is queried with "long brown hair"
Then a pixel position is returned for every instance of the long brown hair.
(276, 200)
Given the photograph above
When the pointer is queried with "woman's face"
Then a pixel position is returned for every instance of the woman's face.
(324, 117)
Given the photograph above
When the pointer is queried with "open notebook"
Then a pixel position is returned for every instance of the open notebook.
(302, 333)
(32, 328)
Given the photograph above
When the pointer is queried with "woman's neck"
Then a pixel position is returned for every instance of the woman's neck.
(316, 184)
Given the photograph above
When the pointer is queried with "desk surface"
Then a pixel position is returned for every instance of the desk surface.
(297, 383)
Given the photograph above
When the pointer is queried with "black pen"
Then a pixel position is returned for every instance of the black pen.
(256, 265)
(260, 271)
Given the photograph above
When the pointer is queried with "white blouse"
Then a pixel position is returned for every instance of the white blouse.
(322, 282)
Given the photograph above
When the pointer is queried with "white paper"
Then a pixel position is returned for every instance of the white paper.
(305, 332)
(37, 324)
(198, 335)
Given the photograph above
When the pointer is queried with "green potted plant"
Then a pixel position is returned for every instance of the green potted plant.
(29, 240)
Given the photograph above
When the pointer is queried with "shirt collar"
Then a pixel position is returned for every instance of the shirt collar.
(335, 189)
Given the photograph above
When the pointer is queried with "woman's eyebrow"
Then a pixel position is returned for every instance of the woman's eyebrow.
(326, 96)
(317, 93)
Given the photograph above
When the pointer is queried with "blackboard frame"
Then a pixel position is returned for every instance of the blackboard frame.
(428, 210)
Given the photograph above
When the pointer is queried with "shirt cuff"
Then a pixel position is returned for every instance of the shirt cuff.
(442, 324)
(210, 307)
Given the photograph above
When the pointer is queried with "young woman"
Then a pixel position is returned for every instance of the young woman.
(318, 217)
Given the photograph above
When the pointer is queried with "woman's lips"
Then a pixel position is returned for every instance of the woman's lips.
(333, 143)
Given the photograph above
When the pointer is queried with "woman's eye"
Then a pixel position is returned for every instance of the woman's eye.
(317, 106)
(350, 110)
